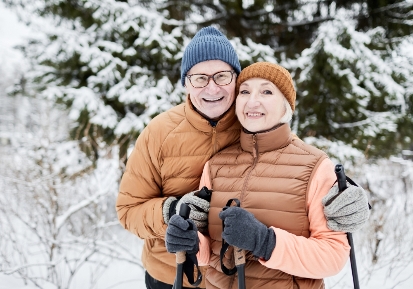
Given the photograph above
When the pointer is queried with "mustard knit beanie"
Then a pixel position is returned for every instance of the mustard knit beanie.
(272, 72)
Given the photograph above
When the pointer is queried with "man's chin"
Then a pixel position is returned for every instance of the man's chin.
(213, 115)
(214, 111)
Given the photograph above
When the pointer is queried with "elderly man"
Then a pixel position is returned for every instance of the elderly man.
(166, 164)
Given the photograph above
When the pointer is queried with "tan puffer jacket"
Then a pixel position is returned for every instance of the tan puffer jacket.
(167, 160)
(270, 174)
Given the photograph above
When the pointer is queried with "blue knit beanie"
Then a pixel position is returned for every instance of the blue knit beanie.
(208, 44)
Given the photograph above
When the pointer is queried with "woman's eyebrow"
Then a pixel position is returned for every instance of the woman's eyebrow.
(266, 83)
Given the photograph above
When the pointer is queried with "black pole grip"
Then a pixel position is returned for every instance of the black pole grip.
(204, 194)
(341, 177)
(184, 211)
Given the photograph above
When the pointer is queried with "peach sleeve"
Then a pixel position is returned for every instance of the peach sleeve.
(205, 178)
(204, 252)
(325, 252)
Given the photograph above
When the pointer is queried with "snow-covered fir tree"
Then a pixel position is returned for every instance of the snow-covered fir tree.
(350, 89)
(115, 64)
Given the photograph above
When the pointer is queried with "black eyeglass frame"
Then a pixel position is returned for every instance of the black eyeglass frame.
(210, 77)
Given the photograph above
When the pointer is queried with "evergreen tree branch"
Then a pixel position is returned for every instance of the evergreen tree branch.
(402, 4)
(306, 22)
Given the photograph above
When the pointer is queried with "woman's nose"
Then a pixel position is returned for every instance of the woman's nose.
(253, 101)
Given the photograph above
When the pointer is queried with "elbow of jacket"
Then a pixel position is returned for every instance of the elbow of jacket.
(340, 262)
(122, 217)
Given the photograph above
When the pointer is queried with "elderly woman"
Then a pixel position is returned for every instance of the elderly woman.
(280, 182)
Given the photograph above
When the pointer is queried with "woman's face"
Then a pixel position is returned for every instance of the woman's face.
(259, 105)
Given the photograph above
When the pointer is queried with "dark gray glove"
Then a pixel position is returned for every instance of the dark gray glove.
(181, 235)
(347, 212)
(243, 230)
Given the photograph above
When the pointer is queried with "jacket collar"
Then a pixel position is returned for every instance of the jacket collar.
(267, 141)
(202, 124)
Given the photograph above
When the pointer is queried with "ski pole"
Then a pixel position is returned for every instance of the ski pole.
(184, 261)
(181, 256)
(239, 254)
(341, 181)
(204, 193)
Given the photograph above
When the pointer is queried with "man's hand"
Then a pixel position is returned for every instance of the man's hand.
(181, 235)
(347, 212)
(243, 230)
(199, 209)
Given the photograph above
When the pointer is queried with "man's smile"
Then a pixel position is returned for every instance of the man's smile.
(213, 99)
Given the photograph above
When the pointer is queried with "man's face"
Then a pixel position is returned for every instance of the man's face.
(212, 100)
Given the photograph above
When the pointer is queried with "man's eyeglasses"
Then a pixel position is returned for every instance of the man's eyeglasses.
(220, 78)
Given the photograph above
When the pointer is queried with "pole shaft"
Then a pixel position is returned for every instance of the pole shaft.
(353, 262)
(341, 181)
(179, 276)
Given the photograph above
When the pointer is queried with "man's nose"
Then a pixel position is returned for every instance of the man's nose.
(212, 87)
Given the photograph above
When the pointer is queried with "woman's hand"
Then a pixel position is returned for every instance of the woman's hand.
(243, 230)
(347, 211)
(181, 235)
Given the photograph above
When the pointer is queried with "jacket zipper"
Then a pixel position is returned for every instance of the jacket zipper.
(214, 140)
(255, 156)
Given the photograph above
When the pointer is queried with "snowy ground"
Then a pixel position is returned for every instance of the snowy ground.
(379, 279)
(120, 277)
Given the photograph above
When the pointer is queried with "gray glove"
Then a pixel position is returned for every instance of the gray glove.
(181, 235)
(243, 230)
(169, 208)
(347, 212)
(199, 209)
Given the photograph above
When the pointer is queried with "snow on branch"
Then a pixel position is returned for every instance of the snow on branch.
(60, 220)
(18, 268)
